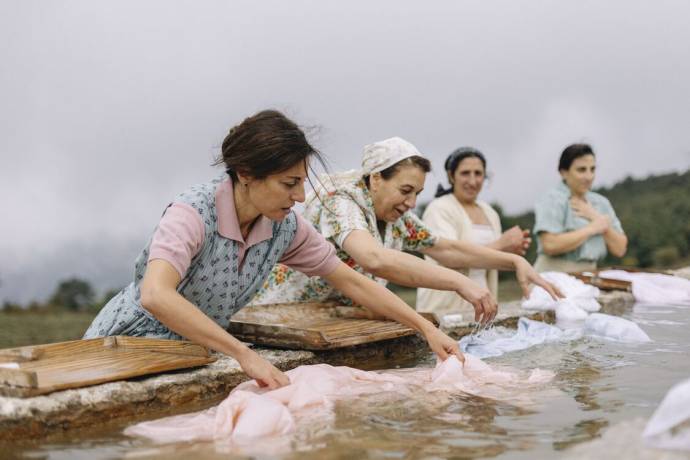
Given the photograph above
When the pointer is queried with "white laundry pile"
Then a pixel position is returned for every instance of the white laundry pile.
(654, 287)
(575, 317)
(580, 298)
(498, 341)
(669, 427)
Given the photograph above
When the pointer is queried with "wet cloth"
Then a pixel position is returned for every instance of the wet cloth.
(654, 288)
(498, 341)
(580, 298)
(346, 207)
(614, 328)
(214, 280)
(250, 412)
(669, 427)
(553, 214)
(579, 305)
(446, 218)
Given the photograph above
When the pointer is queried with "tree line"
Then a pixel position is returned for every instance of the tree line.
(73, 294)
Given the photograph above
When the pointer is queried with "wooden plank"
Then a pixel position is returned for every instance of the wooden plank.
(81, 363)
(19, 355)
(314, 326)
(177, 347)
(18, 377)
(607, 284)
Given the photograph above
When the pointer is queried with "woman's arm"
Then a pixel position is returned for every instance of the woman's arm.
(462, 254)
(616, 242)
(380, 300)
(408, 270)
(555, 244)
(160, 297)
(514, 240)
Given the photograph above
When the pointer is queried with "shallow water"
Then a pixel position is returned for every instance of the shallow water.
(598, 383)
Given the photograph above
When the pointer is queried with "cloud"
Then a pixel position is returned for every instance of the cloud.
(111, 108)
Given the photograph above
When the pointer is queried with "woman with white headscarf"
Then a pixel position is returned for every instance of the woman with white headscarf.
(367, 215)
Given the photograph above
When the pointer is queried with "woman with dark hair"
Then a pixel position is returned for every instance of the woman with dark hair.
(458, 214)
(367, 215)
(218, 241)
(575, 226)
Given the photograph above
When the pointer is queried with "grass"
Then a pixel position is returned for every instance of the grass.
(31, 327)
(22, 328)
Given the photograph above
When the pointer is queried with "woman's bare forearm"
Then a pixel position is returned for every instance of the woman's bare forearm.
(458, 254)
(555, 244)
(408, 270)
(370, 294)
(161, 299)
(616, 242)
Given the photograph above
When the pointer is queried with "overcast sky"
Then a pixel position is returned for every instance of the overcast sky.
(108, 109)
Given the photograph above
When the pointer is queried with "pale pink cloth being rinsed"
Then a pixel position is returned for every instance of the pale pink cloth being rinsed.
(251, 412)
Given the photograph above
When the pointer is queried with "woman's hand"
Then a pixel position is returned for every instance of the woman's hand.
(526, 274)
(442, 345)
(583, 209)
(515, 240)
(265, 373)
(485, 306)
(600, 224)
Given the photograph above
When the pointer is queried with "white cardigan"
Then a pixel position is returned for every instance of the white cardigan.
(446, 218)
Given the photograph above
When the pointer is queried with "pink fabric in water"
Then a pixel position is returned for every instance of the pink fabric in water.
(250, 412)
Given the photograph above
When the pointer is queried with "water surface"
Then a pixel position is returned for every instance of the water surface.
(598, 383)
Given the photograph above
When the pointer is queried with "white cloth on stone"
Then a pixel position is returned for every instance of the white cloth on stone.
(580, 298)
(654, 288)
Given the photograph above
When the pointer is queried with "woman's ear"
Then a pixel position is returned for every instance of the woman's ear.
(450, 178)
(375, 181)
(243, 179)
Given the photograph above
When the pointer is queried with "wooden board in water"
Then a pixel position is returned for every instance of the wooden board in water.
(606, 284)
(42, 369)
(313, 326)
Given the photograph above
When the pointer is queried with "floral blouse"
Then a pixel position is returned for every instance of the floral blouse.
(335, 214)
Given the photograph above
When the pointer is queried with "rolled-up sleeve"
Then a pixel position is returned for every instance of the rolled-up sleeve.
(339, 216)
(309, 251)
(417, 235)
(549, 214)
(178, 237)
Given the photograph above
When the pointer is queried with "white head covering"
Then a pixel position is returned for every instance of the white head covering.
(375, 158)
(384, 154)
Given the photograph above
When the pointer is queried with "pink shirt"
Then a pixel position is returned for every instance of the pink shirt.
(180, 236)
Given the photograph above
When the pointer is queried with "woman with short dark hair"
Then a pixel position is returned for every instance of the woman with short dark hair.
(458, 213)
(218, 241)
(575, 226)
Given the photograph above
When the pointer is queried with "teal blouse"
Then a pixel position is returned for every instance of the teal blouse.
(554, 215)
